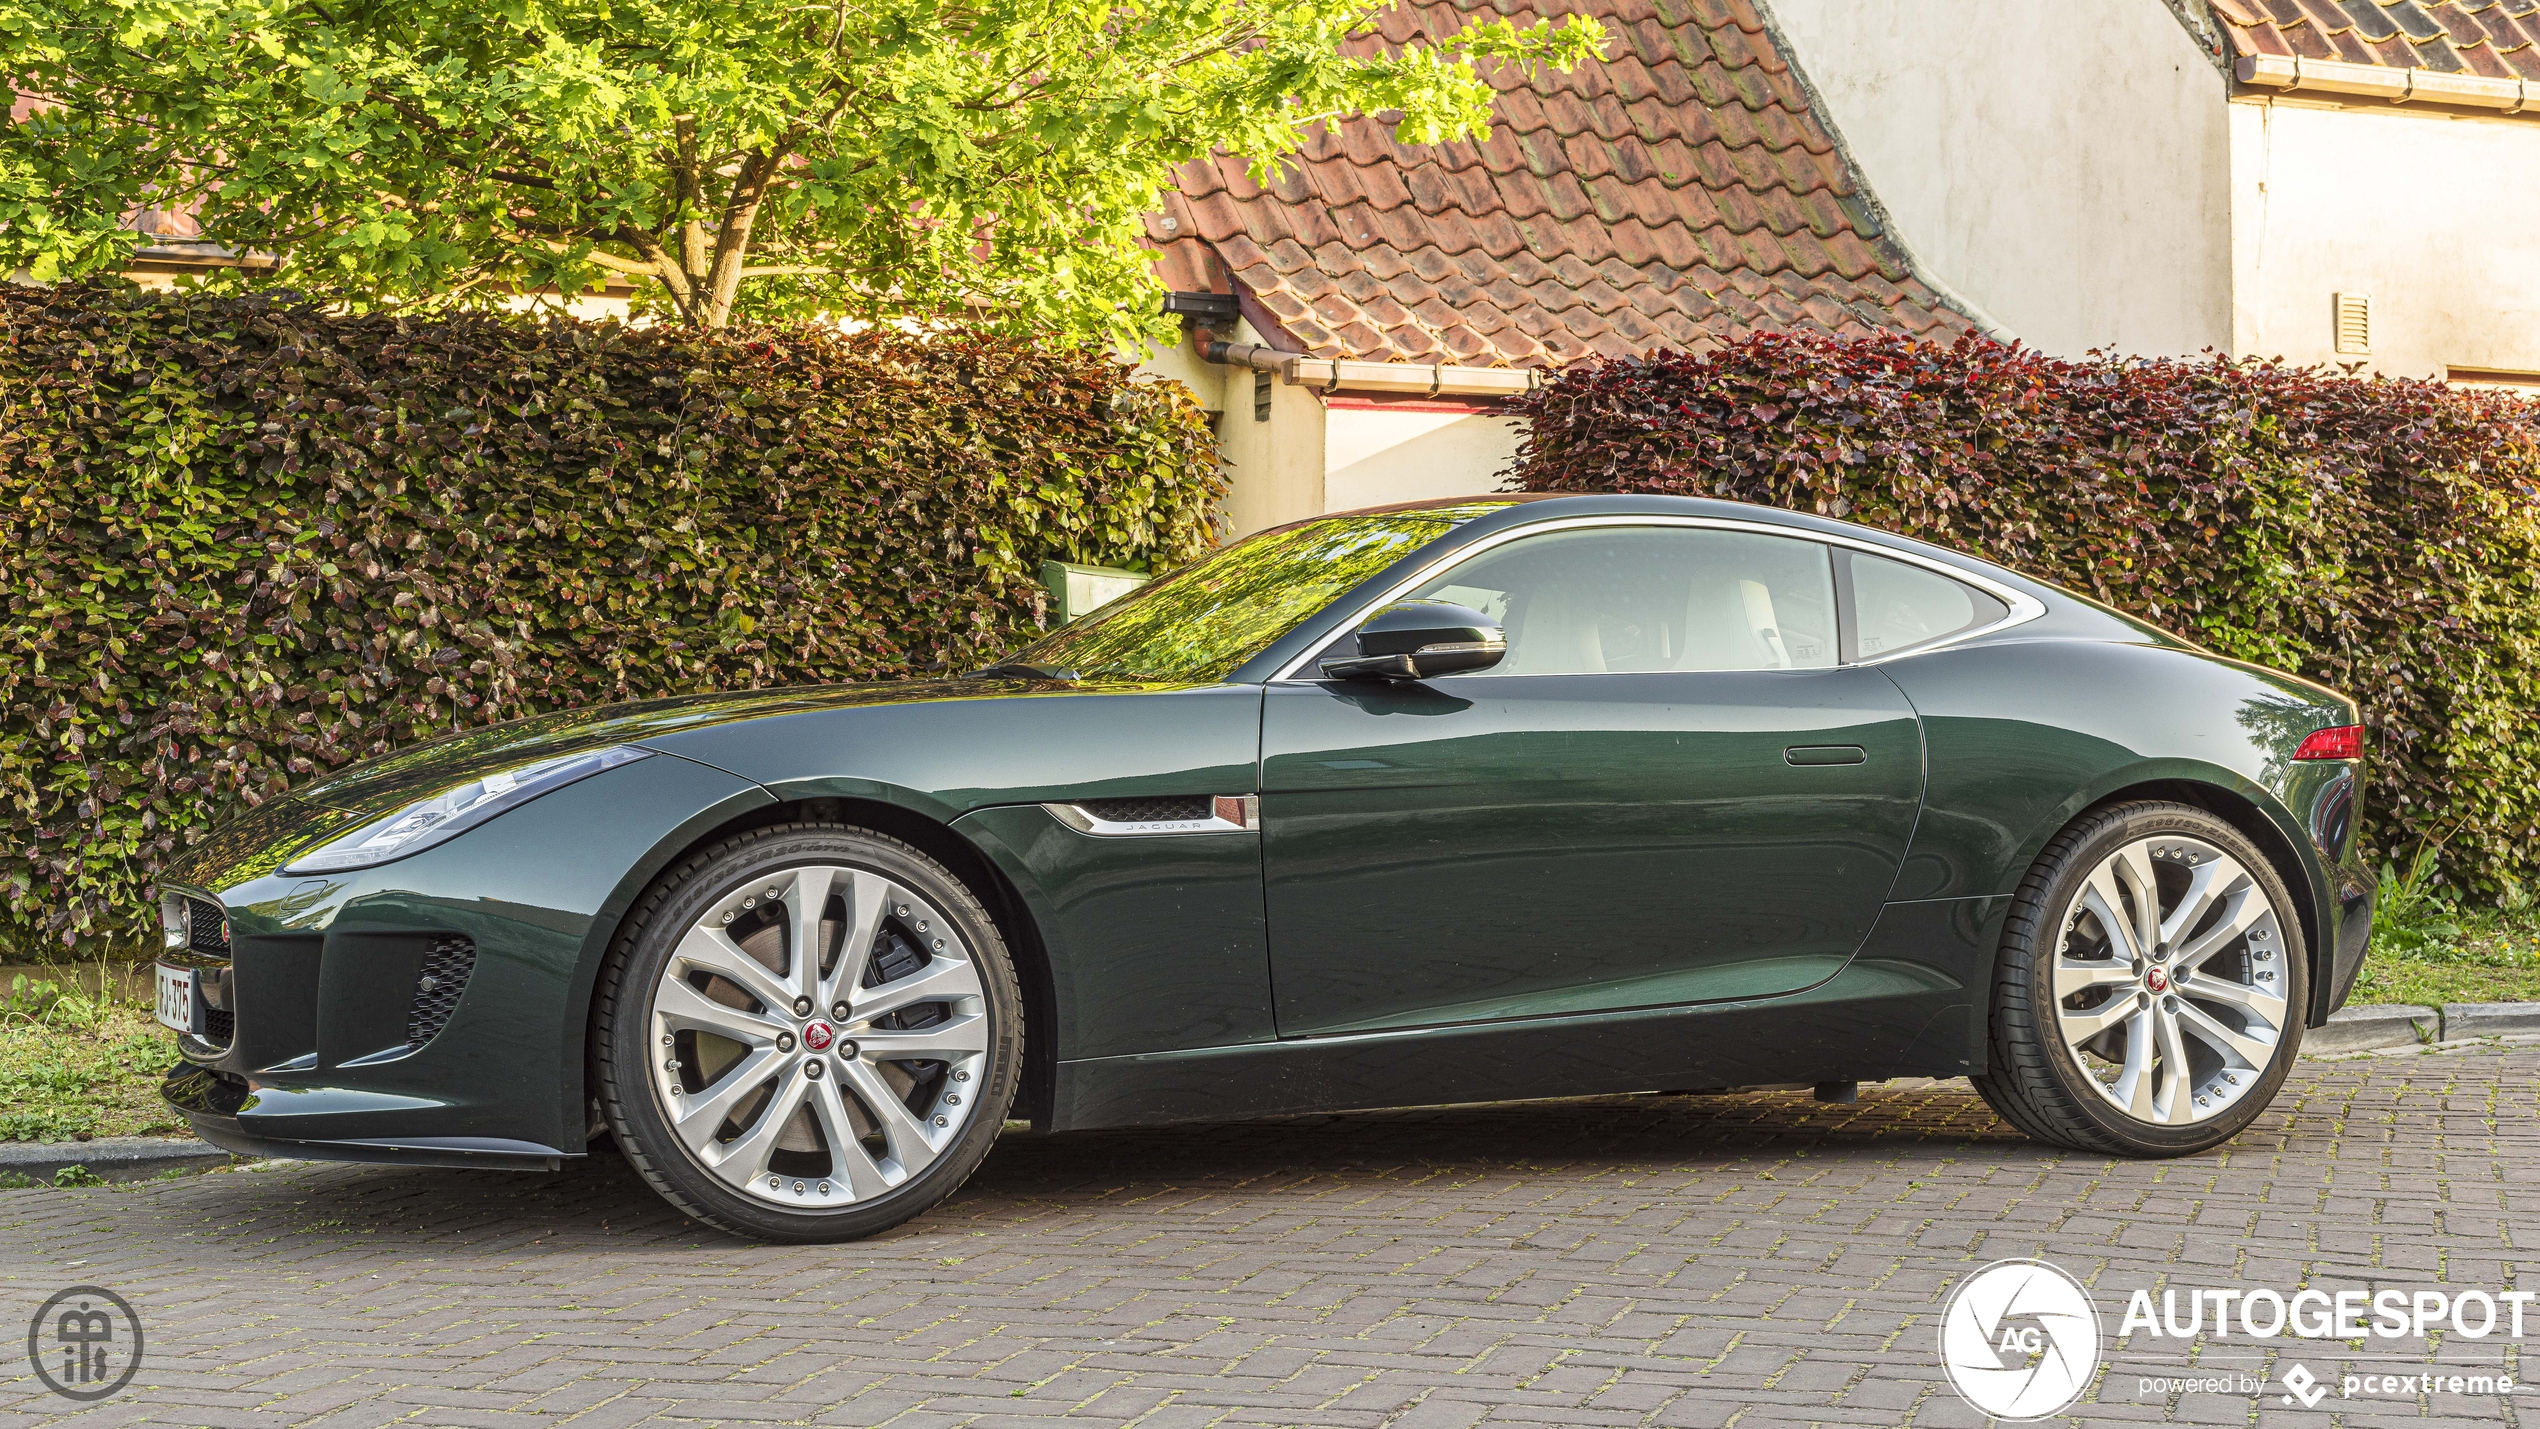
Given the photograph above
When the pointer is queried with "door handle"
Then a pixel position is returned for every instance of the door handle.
(1826, 754)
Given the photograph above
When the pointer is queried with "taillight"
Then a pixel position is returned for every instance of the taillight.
(2345, 741)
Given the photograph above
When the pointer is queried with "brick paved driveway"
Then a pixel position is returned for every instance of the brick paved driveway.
(1659, 1260)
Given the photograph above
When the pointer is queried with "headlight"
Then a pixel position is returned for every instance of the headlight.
(426, 822)
(176, 924)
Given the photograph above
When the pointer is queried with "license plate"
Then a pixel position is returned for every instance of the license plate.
(176, 997)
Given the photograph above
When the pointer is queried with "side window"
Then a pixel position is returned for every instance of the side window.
(1638, 599)
(1897, 607)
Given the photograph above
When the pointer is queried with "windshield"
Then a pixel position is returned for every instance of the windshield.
(1203, 620)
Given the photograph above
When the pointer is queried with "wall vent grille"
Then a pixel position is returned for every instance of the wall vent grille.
(2354, 324)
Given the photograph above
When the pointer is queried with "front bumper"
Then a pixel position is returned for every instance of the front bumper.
(212, 1104)
(430, 1011)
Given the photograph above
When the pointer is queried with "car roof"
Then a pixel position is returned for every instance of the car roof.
(1528, 507)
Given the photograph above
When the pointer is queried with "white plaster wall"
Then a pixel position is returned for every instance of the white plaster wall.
(1374, 456)
(2065, 168)
(1308, 459)
(2433, 214)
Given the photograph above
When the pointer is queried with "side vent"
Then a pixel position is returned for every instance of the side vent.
(446, 970)
(2354, 323)
(1143, 811)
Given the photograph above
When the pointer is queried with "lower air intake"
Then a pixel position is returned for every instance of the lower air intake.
(446, 970)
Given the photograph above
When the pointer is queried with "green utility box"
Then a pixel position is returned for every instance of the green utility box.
(1077, 591)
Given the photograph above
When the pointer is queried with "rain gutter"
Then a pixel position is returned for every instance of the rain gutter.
(1414, 379)
(2399, 86)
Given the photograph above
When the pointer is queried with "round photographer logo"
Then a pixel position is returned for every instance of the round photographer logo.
(85, 1343)
(2020, 1339)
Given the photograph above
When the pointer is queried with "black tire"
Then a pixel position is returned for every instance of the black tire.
(621, 1029)
(2033, 1079)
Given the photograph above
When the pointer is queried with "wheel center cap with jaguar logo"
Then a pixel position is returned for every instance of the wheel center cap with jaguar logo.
(818, 1035)
(2156, 980)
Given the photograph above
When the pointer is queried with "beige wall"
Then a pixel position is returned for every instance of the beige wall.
(2433, 214)
(1308, 459)
(1374, 456)
(2065, 168)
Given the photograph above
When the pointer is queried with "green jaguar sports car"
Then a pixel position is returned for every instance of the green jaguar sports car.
(1460, 802)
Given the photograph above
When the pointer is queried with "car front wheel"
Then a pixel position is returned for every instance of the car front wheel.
(807, 1033)
(2150, 993)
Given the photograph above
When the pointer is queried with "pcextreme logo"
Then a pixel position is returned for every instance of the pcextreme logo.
(2019, 1339)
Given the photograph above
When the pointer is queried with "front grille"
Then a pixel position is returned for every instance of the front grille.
(1150, 811)
(446, 970)
(206, 928)
(219, 1028)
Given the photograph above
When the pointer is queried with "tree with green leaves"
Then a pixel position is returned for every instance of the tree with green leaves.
(874, 159)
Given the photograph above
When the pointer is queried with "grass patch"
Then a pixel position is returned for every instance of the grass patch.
(2430, 950)
(74, 1064)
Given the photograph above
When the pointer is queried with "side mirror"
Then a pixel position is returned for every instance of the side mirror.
(1420, 640)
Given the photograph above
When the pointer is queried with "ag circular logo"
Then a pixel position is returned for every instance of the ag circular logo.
(85, 1342)
(818, 1035)
(2020, 1339)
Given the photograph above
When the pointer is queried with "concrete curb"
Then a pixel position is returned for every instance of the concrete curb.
(2362, 1029)
(2457, 1044)
(111, 1158)
(2402, 1027)
(2490, 1019)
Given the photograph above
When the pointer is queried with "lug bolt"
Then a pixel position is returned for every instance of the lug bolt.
(921, 925)
(952, 1098)
(838, 1010)
(846, 1049)
(784, 1041)
(902, 910)
(802, 1007)
(943, 1121)
(961, 1076)
(811, 1069)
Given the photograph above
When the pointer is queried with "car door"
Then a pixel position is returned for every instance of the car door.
(1671, 790)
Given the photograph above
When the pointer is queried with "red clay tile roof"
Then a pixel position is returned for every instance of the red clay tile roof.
(2499, 39)
(1677, 193)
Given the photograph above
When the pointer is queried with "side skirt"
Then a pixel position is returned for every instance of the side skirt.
(1912, 1002)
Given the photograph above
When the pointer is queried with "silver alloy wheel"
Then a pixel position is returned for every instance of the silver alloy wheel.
(2170, 980)
(818, 1037)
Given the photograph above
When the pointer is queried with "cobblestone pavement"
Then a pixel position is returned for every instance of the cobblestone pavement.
(1621, 1261)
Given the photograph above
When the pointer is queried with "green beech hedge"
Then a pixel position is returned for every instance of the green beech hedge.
(242, 543)
(2379, 536)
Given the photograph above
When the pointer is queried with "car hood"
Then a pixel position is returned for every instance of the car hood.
(380, 785)
(262, 838)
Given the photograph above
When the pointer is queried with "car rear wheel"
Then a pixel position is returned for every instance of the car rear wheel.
(2150, 993)
(807, 1033)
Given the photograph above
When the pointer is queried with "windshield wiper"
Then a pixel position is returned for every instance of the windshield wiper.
(1016, 670)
